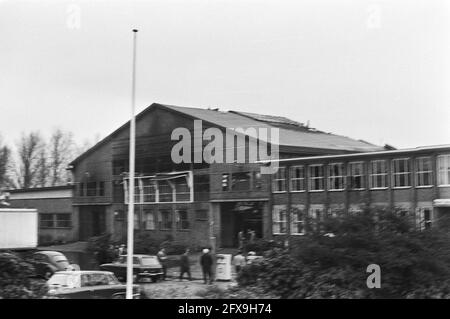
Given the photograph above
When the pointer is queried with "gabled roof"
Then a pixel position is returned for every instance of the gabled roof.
(298, 136)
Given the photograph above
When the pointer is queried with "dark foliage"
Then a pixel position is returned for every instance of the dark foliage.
(16, 280)
(413, 264)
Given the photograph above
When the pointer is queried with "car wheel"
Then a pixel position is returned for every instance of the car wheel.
(47, 274)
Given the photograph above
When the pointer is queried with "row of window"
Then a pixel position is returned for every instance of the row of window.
(241, 181)
(353, 175)
(55, 220)
(317, 213)
(162, 220)
(91, 189)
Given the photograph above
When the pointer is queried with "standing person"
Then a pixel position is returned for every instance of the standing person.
(252, 235)
(184, 265)
(241, 239)
(162, 257)
(239, 261)
(206, 261)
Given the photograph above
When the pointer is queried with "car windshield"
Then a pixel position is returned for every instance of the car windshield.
(123, 260)
(64, 280)
(61, 261)
(149, 261)
(98, 279)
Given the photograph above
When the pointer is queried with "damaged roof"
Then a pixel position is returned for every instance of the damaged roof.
(292, 134)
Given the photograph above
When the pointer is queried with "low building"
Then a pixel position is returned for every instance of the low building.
(57, 222)
(415, 182)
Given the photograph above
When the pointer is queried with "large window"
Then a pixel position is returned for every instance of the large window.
(424, 172)
(240, 181)
(356, 178)
(297, 219)
(165, 191)
(316, 177)
(55, 220)
(297, 175)
(279, 219)
(378, 174)
(149, 220)
(279, 180)
(444, 170)
(182, 220)
(149, 191)
(316, 213)
(424, 218)
(165, 220)
(91, 189)
(336, 176)
(401, 175)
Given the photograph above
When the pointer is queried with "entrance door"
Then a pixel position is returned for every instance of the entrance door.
(240, 216)
(92, 221)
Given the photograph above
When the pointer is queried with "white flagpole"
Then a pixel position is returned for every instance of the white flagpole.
(130, 232)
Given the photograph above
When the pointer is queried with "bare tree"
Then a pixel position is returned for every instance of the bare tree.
(28, 149)
(62, 149)
(5, 159)
(43, 168)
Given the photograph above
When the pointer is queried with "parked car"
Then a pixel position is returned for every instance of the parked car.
(47, 262)
(145, 267)
(88, 284)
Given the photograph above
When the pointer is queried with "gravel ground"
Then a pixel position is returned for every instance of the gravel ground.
(175, 289)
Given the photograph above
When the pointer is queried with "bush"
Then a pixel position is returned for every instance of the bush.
(260, 246)
(413, 264)
(102, 248)
(16, 281)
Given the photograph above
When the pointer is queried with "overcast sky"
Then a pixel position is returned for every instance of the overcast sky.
(372, 70)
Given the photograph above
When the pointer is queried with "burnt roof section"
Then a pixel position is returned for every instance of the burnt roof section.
(291, 134)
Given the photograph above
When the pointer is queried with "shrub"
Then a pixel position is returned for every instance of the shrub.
(260, 246)
(413, 264)
(16, 281)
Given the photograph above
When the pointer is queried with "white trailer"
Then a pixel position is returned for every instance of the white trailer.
(18, 228)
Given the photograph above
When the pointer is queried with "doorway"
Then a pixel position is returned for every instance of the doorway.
(240, 216)
(92, 221)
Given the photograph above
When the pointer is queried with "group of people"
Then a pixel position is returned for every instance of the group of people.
(245, 237)
(206, 263)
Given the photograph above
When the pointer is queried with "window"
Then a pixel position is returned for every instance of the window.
(225, 182)
(182, 220)
(149, 191)
(46, 221)
(240, 181)
(356, 170)
(165, 191)
(257, 178)
(424, 173)
(336, 176)
(201, 187)
(297, 175)
(378, 173)
(182, 190)
(444, 170)
(118, 191)
(91, 189)
(165, 220)
(297, 220)
(279, 219)
(316, 177)
(424, 218)
(316, 215)
(149, 220)
(101, 188)
(401, 175)
(55, 220)
(279, 180)
(63, 220)
(136, 219)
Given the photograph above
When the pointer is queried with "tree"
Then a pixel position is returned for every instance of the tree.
(5, 158)
(29, 150)
(62, 149)
(43, 169)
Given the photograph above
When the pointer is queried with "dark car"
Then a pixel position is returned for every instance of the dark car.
(47, 262)
(88, 284)
(145, 267)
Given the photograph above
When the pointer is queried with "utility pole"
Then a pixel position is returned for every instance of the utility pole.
(130, 232)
